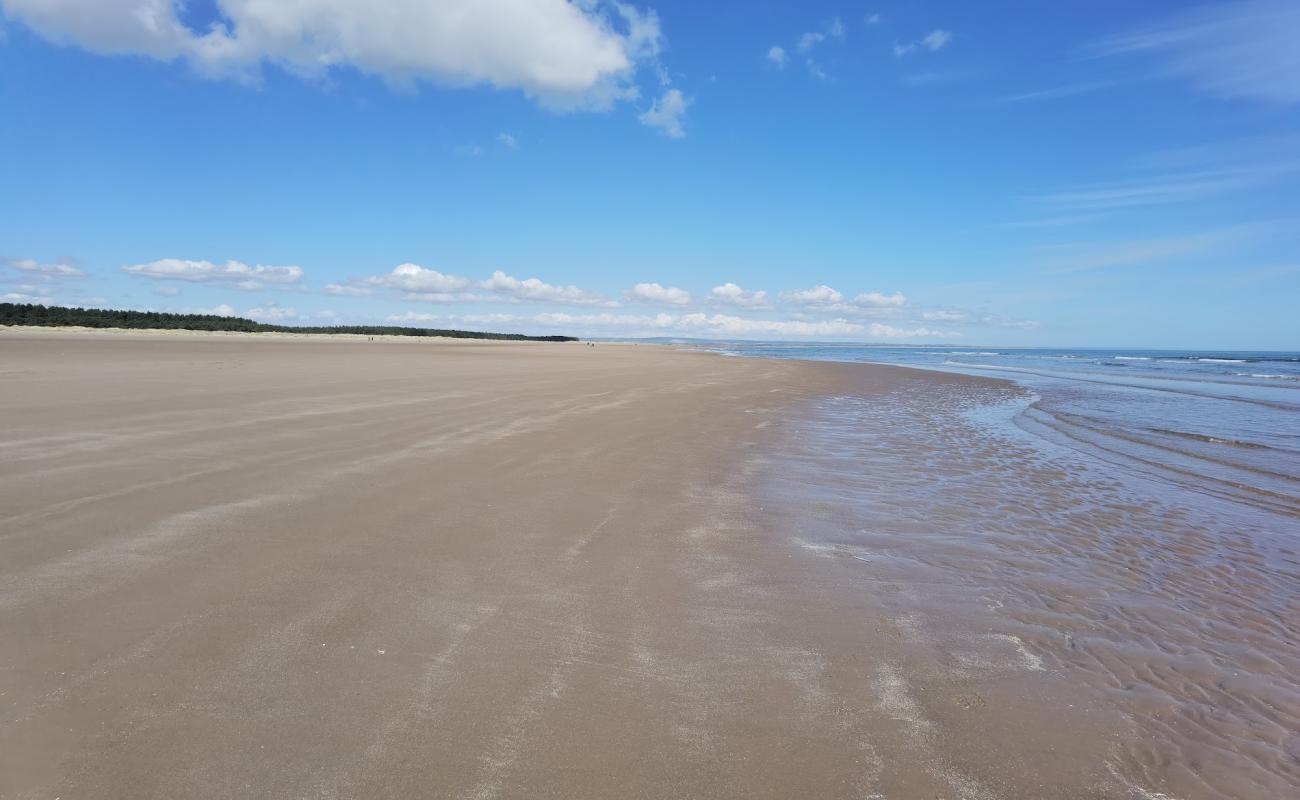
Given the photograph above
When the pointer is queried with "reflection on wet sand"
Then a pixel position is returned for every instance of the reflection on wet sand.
(1010, 543)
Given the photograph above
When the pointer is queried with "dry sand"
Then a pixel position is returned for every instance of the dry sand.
(273, 567)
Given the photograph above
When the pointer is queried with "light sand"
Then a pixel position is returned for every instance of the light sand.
(260, 567)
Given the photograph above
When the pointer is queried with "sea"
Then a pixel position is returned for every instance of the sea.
(1127, 521)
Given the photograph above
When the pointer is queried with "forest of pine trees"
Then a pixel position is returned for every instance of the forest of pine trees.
(56, 316)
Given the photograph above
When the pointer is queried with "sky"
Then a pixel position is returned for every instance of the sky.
(1001, 173)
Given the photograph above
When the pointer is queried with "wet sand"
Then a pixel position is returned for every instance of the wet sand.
(294, 567)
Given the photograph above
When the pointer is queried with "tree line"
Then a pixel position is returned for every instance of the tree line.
(61, 316)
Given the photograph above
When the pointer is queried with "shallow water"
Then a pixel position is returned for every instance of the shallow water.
(1136, 539)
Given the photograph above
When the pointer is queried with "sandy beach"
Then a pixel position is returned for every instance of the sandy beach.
(300, 567)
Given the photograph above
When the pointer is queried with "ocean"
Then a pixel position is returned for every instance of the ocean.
(1126, 522)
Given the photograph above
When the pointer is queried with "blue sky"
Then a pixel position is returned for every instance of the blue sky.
(1011, 173)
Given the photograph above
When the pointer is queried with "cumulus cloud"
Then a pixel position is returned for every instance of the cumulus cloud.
(535, 290)
(776, 54)
(825, 299)
(413, 278)
(878, 300)
(222, 310)
(231, 274)
(820, 295)
(666, 114)
(879, 330)
(728, 325)
(730, 294)
(565, 54)
(606, 320)
(655, 294)
(347, 290)
(272, 313)
(933, 41)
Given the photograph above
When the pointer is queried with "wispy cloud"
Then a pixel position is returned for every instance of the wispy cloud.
(1139, 252)
(807, 44)
(1243, 50)
(32, 269)
(1054, 93)
(1165, 189)
(666, 114)
(934, 41)
(1054, 222)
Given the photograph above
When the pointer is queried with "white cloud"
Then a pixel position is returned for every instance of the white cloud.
(26, 297)
(878, 300)
(730, 294)
(450, 297)
(654, 293)
(487, 319)
(272, 313)
(413, 278)
(666, 113)
(1054, 93)
(233, 274)
(933, 41)
(940, 315)
(820, 295)
(873, 19)
(626, 321)
(347, 290)
(222, 310)
(167, 291)
(728, 325)
(689, 324)
(937, 40)
(413, 316)
(535, 290)
(809, 40)
(777, 55)
(1090, 256)
(565, 54)
(508, 141)
(1181, 187)
(1243, 50)
(881, 331)
(35, 269)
